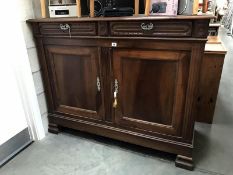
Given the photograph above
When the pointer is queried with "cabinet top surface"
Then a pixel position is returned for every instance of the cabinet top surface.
(130, 18)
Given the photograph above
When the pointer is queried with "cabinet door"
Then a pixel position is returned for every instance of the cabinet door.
(150, 88)
(76, 80)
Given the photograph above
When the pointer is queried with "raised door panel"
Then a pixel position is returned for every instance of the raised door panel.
(76, 80)
(151, 89)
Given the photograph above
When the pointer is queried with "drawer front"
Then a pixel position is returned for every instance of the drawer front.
(152, 28)
(66, 29)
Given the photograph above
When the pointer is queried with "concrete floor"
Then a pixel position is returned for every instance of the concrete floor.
(82, 154)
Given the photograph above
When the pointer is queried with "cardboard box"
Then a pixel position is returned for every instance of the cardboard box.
(164, 7)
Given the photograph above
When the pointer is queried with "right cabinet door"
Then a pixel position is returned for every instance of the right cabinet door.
(150, 89)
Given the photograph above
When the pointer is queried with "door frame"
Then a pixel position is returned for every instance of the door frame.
(29, 99)
(25, 84)
(15, 57)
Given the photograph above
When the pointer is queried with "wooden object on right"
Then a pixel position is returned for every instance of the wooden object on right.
(210, 76)
(214, 40)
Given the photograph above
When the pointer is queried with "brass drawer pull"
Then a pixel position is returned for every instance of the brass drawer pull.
(65, 27)
(149, 26)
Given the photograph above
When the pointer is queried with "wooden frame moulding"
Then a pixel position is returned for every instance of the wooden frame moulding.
(92, 13)
(136, 7)
(92, 8)
(78, 7)
(43, 8)
(147, 8)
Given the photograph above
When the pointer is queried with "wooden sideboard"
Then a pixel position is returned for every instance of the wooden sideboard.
(133, 79)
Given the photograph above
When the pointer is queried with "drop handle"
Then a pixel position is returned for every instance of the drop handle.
(147, 27)
(115, 94)
(98, 84)
(66, 27)
(115, 101)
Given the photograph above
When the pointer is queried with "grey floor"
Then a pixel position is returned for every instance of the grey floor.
(82, 154)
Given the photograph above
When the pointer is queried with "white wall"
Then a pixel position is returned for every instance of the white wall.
(221, 3)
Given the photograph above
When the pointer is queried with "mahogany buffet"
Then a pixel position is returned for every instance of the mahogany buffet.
(134, 79)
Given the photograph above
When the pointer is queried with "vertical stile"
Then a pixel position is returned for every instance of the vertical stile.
(78, 6)
(147, 8)
(136, 7)
(43, 8)
(92, 14)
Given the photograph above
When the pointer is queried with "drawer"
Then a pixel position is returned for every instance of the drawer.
(152, 28)
(63, 29)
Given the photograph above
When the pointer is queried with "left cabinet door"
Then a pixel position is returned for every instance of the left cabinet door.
(76, 81)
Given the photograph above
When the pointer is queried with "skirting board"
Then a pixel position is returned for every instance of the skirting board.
(13, 146)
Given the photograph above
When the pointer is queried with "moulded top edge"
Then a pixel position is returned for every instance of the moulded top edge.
(125, 18)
